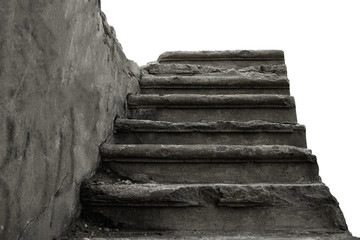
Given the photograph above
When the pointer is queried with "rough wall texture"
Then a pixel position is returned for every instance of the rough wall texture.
(63, 78)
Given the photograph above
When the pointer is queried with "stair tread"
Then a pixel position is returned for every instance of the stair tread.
(234, 55)
(252, 80)
(261, 153)
(138, 125)
(200, 100)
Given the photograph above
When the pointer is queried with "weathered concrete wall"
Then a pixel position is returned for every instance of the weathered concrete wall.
(63, 78)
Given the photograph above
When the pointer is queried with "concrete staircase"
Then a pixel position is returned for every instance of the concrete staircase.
(211, 149)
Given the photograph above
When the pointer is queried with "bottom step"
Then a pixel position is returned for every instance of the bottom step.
(81, 229)
(213, 207)
(242, 237)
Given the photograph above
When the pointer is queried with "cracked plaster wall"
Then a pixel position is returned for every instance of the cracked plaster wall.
(63, 77)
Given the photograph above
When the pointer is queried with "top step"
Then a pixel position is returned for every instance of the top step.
(230, 59)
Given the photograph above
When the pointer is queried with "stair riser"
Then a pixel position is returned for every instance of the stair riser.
(214, 114)
(216, 218)
(205, 172)
(214, 91)
(297, 139)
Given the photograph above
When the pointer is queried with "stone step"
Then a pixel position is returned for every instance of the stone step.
(210, 163)
(272, 235)
(239, 237)
(166, 69)
(248, 83)
(135, 131)
(196, 107)
(213, 207)
(85, 229)
(228, 59)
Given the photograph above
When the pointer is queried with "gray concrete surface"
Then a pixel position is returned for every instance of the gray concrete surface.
(63, 78)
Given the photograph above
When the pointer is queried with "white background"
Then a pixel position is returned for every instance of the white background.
(321, 40)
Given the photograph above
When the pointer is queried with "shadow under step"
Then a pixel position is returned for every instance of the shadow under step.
(196, 107)
(213, 207)
(210, 163)
(135, 131)
(247, 83)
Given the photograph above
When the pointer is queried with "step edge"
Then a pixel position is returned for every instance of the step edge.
(122, 125)
(250, 76)
(183, 152)
(227, 55)
(195, 161)
(203, 100)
